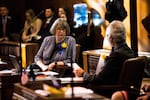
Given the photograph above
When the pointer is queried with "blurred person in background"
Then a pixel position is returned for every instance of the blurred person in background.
(61, 11)
(128, 95)
(63, 16)
(32, 26)
(47, 23)
(8, 26)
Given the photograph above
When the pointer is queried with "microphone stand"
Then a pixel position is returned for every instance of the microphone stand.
(72, 81)
(20, 59)
(89, 24)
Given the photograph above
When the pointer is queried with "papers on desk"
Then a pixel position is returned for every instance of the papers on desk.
(63, 80)
(1, 62)
(74, 65)
(51, 73)
(47, 75)
(78, 91)
(68, 79)
(67, 90)
(6, 72)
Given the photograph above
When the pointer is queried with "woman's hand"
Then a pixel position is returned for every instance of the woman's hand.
(51, 66)
(27, 38)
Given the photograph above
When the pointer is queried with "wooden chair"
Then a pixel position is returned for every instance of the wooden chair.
(130, 78)
(77, 52)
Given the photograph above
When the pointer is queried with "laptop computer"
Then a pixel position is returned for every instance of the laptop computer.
(15, 63)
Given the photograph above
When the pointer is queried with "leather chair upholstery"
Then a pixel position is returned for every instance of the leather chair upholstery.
(130, 78)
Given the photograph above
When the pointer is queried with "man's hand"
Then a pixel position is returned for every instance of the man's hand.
(78, 72)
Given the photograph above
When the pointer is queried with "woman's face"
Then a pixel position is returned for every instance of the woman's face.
(61, 11)
(60, 33)
(63, 16)
(28, 17)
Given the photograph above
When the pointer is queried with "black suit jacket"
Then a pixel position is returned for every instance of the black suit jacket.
(11, 27)
(112, 68)
(45, 31)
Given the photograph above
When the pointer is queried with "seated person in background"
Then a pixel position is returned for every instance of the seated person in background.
(56, 49)
(124, 95)
(61, 11)
(144, 97)
(47, 23)
(31, 27)
(63, 16)
(8, 27)
(108, 73)
(133, 94)
(119, 95)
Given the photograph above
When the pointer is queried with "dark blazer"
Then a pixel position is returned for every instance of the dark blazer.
(11, 27)
(45, 31)
(112, 67)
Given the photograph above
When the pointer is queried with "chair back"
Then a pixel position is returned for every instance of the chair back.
(77, 52)
(132, 72)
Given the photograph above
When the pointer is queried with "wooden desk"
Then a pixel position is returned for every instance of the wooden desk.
(7, 63)
(7, 80)
(90, 59)
(28, 50)
(7, 85)
(27, 92)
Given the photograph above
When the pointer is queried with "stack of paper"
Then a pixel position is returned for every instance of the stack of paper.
(77, 90)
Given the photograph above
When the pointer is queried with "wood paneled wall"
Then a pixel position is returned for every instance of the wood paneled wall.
(18, 8)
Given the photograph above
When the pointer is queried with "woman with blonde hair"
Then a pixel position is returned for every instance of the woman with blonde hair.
(31, 27)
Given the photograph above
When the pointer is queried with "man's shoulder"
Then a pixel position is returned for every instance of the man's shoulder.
(53, 19)
(123, 54)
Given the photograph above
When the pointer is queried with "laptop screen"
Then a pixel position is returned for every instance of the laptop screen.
(15, 62)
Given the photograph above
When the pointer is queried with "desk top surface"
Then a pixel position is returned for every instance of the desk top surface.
(16, 43)
(23, 90)
(97, 52)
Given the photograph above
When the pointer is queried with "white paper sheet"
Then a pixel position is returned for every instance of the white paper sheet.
(77, 90)
(48, 73)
